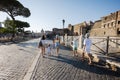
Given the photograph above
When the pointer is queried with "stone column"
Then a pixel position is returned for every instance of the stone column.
(81, 38)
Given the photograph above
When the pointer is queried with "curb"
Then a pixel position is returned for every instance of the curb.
(32, 68)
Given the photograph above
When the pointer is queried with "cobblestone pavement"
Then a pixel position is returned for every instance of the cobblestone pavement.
(15, 59)
(67, 67)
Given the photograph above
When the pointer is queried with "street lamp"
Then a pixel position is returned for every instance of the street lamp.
(72, 32)
(63, 28)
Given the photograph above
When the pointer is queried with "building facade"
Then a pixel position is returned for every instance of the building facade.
(108, 25)
(61, 31)
(81, 28)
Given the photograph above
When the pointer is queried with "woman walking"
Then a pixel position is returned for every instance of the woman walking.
(57, 43)
(42, 45)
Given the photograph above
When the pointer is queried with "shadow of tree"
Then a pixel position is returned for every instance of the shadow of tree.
(26, 44)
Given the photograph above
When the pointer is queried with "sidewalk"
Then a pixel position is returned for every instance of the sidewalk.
(15, 59)
(67, 67)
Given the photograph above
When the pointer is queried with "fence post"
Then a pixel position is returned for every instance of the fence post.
(107, 46)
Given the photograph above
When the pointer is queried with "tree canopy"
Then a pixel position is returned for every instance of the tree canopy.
(21, 24)
(17, 25)
(14, 8)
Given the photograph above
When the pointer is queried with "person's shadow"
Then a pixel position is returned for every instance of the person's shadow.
(65, 48)
(83, 65)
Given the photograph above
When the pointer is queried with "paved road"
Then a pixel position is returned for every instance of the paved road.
(67, 67)
(15, 59)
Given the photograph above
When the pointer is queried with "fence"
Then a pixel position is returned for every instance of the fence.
(100, 45)
(105, 45)
(69, 39)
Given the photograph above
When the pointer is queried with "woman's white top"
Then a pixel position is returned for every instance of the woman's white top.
(43, 42)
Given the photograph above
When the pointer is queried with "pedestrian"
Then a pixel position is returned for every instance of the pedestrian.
(74, 46)
(53, 46)
(53, 43)
(49, 49)
(57, 44)
(87, 46)
(42, 45)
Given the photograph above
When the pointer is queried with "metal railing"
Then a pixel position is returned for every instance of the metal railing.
(105, 45)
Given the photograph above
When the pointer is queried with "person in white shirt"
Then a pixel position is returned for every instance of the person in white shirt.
(42, 45)
(87, 46)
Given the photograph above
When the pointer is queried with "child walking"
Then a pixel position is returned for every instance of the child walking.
(74, 45)
(49, 49)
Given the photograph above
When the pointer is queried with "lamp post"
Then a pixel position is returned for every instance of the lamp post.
(63, 21)
(72, 32)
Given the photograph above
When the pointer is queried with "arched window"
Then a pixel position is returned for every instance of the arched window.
(104, 33)
(112, 24)
(118, 30)
(104, 25)
(118, 22)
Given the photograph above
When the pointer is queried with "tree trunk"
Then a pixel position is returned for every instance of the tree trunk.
(13, 29)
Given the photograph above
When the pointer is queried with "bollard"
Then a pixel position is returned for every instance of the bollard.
(107, 45)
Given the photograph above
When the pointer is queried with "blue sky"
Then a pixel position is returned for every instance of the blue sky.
(48, 14)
